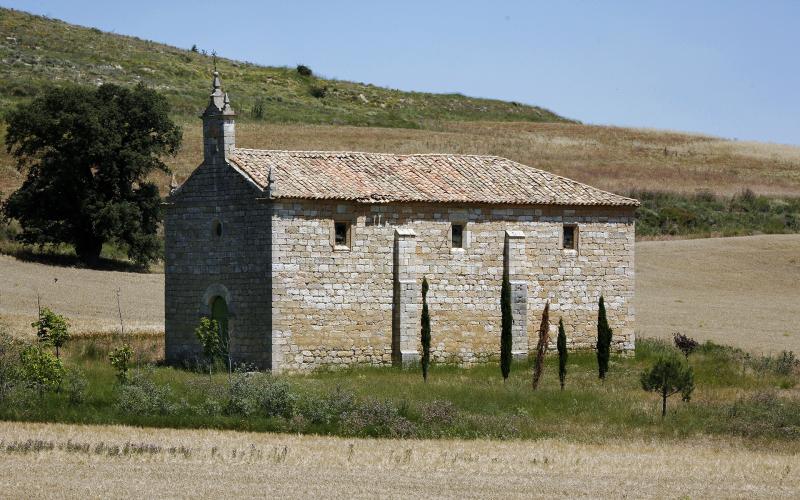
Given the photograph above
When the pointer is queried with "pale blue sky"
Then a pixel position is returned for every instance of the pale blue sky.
(726, 68)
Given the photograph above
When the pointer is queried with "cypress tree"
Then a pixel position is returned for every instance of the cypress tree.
(561, 344)
(604, 334)
(426, 331)
(505, 328)
(541, 347)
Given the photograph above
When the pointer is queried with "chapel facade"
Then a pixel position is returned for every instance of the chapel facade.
(311, 258)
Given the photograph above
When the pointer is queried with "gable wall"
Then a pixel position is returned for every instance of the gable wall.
(199, 265)
(335, 307)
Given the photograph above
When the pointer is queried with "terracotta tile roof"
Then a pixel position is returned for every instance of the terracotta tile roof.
(379, 177)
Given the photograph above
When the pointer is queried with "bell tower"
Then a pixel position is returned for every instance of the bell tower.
(219, 132)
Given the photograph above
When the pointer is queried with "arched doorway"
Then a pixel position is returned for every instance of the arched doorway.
(219, 313)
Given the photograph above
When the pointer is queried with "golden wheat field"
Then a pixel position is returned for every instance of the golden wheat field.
(737, 291)
(46, 460)
(613, 158)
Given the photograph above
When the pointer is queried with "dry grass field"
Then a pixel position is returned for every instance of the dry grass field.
(737, 291)
(87, 297)
(46, 460)
(613, 158)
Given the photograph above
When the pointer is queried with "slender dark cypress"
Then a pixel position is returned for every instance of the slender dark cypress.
(604, 334)
(426, 331)
(505, 327)
(561, 345)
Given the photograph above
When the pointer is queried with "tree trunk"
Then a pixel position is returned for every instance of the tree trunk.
(88, 250)
(663, 403)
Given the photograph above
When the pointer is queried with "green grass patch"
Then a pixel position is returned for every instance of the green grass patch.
(736, 395)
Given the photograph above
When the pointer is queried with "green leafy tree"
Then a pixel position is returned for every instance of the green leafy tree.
(507, 320)
(120, 358)
(670, 375)
(207, 332)
(561, 345)
(52, 328)
(541, 346)
(88, 154)
(41, 368)
(604, 334)
(425, 333)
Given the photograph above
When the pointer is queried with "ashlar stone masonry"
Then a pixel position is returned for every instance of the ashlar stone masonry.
(318, 257)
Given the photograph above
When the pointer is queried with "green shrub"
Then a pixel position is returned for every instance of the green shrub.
(785, 363)
(257, 112)
(75, 385)
(9, 364)
(41, 368)
(318, 91)
(142, 396)
(304, 70)
(327, 409)
(52, 328)
(377, 418)
(120, 358)
(262, 394)
(763, 414)
(208, 334)
(438, 413)
(664, 213)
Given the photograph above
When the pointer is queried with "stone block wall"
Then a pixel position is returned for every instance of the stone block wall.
(334, 305)
(200, 264)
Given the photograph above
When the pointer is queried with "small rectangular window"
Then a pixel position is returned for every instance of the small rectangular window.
(457, 238)
(569, 239)
(341, 234)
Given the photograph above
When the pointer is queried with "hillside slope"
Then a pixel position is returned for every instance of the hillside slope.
(36, 51)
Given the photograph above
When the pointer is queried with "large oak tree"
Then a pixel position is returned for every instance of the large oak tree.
(88, 153)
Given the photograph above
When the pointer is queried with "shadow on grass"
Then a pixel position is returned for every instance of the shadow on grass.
(65, 257)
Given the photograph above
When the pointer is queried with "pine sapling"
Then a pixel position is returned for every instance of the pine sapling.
(561, 345)
(541, 347)
(670, 375)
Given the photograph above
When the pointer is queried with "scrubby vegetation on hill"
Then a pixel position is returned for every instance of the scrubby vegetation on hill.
(37, 52)
(705, 214)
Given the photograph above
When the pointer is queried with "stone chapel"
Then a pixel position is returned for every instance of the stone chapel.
(310, 258)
